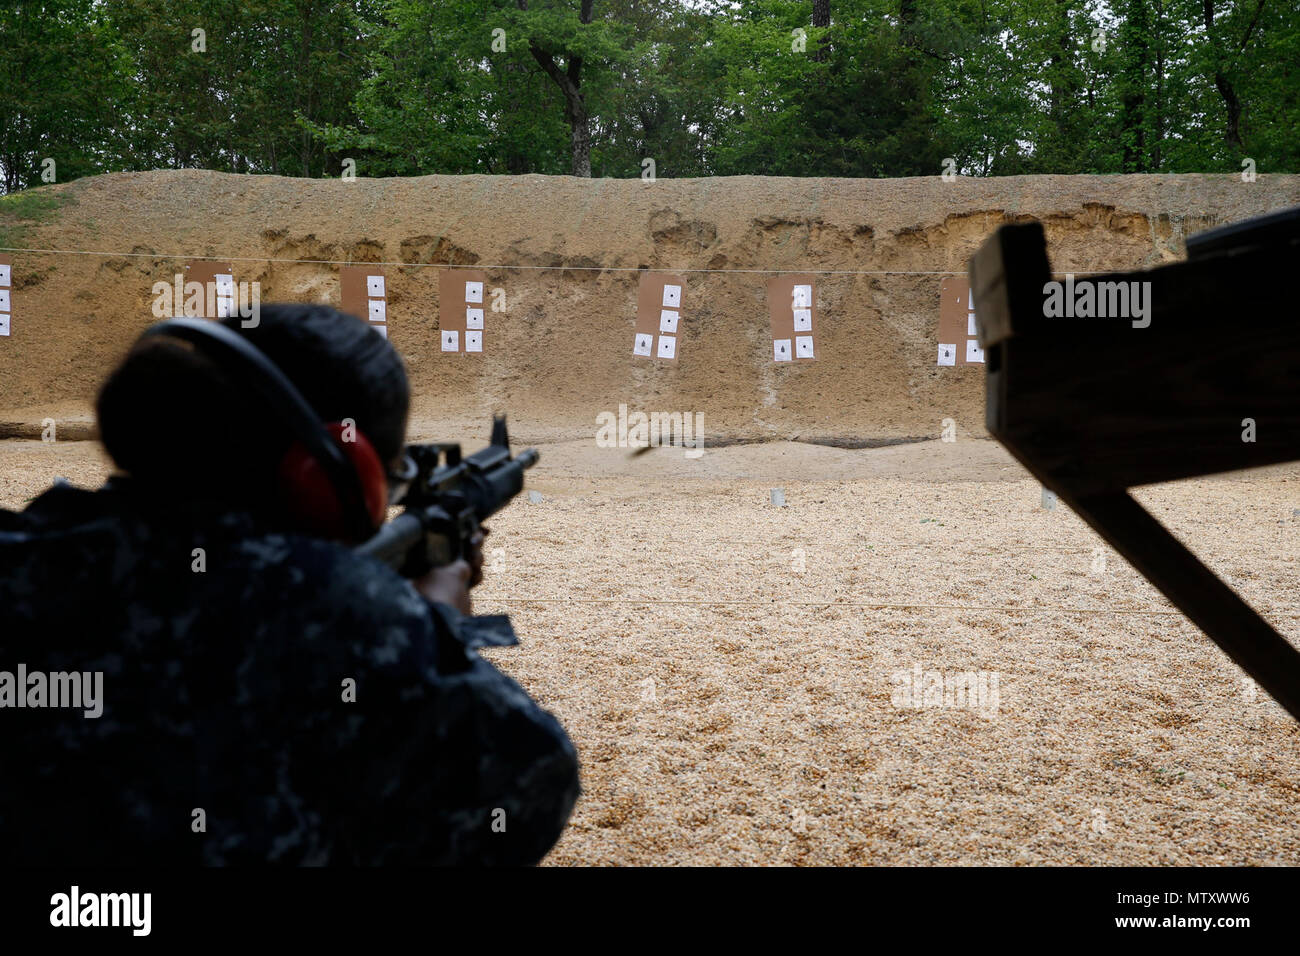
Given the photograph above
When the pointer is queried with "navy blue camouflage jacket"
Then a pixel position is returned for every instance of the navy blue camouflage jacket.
(291, 703)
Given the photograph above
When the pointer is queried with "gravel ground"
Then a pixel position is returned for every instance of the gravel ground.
(732, 672)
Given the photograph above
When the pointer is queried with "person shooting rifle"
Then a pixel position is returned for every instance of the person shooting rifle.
(272, 692)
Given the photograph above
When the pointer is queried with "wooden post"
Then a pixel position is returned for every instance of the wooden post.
(1205, 380)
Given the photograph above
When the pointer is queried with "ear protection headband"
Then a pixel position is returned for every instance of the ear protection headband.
(330, 486)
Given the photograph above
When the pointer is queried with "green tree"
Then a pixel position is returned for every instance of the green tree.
(244, 93)
(715, 87)
(61, 71)
(446, 92)
(660, 99)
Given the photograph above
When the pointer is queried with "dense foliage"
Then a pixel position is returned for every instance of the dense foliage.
(605, 87)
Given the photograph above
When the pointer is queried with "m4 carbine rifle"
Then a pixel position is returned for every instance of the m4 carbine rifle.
(448, 500)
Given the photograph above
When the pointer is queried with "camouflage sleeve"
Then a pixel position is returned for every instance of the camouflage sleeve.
(496, 776)
(440, 757)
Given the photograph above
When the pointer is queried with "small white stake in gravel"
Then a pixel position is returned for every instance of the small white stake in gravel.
(535, 497)
(778, 497)
(1049, 500)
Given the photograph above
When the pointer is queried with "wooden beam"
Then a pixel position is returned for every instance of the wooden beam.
(1206, 380)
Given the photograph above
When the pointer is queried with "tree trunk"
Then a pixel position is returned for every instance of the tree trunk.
(1231, 104)
(304, 77)
(1158, 126)
(821, 17)
(569, 81)
(576, 108)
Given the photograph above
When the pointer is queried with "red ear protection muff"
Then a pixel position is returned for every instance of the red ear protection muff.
(308, 493)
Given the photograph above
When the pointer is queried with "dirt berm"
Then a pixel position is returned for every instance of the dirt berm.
(562, 351)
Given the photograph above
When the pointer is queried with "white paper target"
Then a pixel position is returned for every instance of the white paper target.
(672, 296)
(781, 350)
(473, 291)
(474, 318)
(375, 286)
(451, 341)
(643, 343)
(947, 354)
(667, 346)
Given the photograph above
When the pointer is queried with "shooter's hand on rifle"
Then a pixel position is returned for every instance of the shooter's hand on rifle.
(451, 583)
(448, 584)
